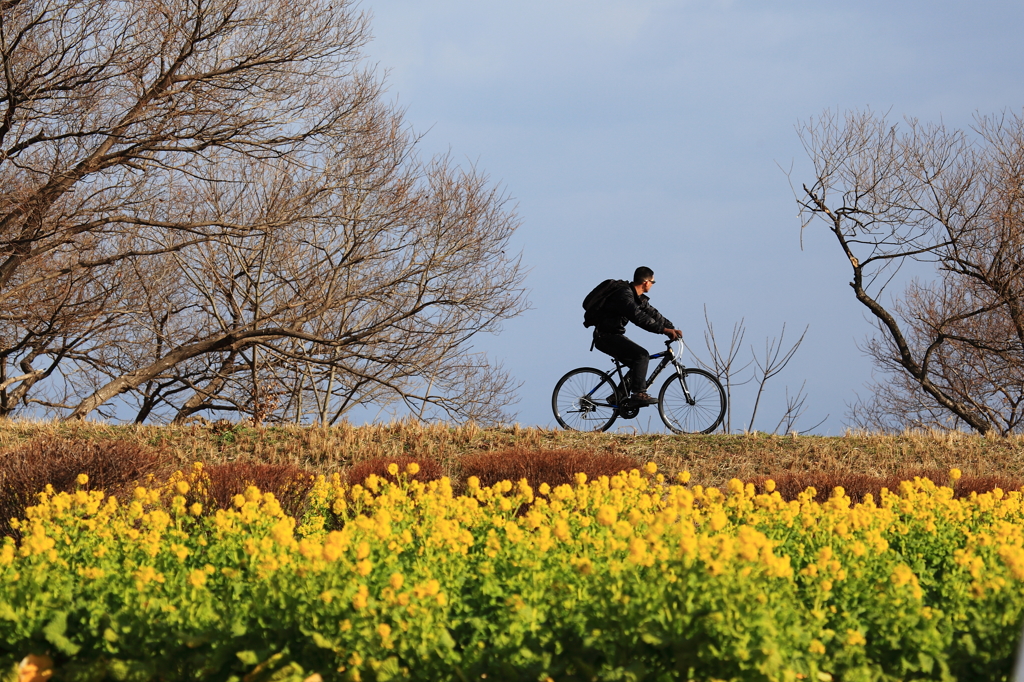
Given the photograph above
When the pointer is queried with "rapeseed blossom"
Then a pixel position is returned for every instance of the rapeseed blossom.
(412, 580)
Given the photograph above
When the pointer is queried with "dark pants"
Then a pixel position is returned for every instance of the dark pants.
(631, 354)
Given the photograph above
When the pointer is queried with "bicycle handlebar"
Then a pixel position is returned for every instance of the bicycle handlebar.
(682, 347)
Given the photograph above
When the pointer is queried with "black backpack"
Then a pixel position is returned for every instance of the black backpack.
(596, 298)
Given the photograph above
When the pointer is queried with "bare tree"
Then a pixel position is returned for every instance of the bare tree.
(224, 215)
(723, 363)
(796, 406)
(774, 361)
(946, 206)
(382, 290)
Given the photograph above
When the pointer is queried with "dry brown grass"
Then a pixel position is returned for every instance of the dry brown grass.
(712, 460)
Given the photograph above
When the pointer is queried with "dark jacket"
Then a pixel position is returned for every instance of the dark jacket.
(624, 305)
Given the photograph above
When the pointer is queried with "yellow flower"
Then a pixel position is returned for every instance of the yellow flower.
(332, 551)
(182, 487)
(282, 531)
(769, 486)
(816, 647)
(623, 529)
(384, 630)
(82, 479)
(561, 530)
(364, 567)
(683, 477)
(145, 575)
(310, 549)
(637, 550)
(412, 468)
(955, 474)
(607, 515)
(651, 468)
(197, 578)
(428, 589)
(855, 638)
(718, 520)
(393, 469)
(902, 575)
(397, 580)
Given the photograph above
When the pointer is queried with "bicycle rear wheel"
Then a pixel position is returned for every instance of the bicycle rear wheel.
(580, 400)
(702, 412)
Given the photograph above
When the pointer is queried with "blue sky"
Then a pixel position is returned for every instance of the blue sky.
(657, 133)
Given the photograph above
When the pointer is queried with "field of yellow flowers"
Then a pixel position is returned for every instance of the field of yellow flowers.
(631, 577)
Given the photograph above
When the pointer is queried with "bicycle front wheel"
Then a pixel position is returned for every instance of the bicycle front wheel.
(580, 401)
(693, 402)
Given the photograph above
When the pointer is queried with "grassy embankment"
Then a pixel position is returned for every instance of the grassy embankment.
(711, 460)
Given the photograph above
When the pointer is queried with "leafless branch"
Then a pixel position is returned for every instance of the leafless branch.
(209, 206)
(950, 349)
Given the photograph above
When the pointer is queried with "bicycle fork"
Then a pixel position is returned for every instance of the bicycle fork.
(668, 357)
(681, 372)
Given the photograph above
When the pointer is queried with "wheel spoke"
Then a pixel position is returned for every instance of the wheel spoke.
(701, 411)
(580, 400)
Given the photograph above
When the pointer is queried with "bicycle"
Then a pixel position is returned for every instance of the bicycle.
(690, 401)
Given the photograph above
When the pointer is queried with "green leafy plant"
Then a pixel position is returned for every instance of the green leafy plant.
(624, 577)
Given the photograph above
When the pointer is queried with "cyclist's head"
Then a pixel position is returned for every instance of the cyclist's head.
(642, 274)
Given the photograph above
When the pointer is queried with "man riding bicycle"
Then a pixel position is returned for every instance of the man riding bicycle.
(628, 302)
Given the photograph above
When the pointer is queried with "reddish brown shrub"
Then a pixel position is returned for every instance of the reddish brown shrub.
(983, 484)
(554, 467)
(790, 485)
(856, 486)
(113, 466)
(430, 470)
(289, 484)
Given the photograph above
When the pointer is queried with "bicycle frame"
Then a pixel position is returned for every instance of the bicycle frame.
(667, 356)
